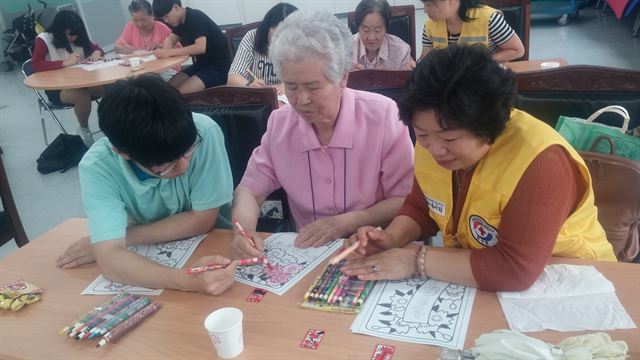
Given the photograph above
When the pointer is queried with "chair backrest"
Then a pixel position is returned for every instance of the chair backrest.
(26, 68)
(579, 91)
(402, 24)
(10, 224)
(235, 35)
(389, 83)
(517, 13)
(242, 113)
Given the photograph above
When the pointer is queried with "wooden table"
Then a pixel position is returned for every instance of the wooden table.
(532, 65)
(75, 77)
(273, 329)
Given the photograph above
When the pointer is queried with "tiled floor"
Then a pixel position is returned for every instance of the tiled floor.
(46, 200)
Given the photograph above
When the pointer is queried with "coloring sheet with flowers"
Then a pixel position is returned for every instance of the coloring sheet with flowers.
(289, 264)
(428, 312)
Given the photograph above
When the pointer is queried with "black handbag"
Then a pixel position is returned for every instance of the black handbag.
(64, 152)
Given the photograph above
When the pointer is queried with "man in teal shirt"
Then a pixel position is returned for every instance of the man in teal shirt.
(161, 174)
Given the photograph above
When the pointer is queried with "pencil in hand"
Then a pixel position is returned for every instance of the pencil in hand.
(344, 253)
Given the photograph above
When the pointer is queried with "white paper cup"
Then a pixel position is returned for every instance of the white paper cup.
(225, 330)
(549, 64)
(135, 62)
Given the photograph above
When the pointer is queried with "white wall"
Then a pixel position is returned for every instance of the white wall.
(225, 12)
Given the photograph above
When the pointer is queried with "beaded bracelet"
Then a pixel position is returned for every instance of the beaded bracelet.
(420, 263)
(417, 265)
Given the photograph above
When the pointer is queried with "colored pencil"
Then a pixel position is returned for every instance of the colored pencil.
(115, 308)
(329, 288)
(115, 333)
(245, 235)
(91, 314)
(365, 292)
(211, 267)
(120, 317)
(344, 253)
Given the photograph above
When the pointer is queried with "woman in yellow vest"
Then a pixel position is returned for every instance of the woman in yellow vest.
(467, 22)
(506, 191)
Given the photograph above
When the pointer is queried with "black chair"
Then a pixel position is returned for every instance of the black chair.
(10, 224)
(517, 13)
(44, 103)
(579, 91)
(242, 114)
(389, 83)
(235, 35)
(402, 24)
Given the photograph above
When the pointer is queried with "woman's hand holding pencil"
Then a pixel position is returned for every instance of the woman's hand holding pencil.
(246, 244)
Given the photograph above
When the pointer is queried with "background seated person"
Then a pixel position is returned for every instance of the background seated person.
(342, 156)
(253, 53)
(67, 43)
(374, 47)
(506, 190)
(144, 33)
(201, 38)
(160, 174)
(467, 22)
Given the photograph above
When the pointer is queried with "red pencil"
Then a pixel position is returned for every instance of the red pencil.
(250, 240)
(211, 267)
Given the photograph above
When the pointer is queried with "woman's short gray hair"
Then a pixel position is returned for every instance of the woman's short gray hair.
(313, 35)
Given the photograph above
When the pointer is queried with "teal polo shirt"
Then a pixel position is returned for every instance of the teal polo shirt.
(114, 196)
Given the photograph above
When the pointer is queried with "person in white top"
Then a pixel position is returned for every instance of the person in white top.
(66, 43)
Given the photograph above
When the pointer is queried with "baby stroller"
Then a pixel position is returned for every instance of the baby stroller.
(20, 39)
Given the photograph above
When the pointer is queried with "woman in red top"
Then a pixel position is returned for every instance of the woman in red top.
(66, 43)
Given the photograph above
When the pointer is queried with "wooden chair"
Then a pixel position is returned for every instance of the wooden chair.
(235, 35)
(402, 24)
(579, 91)
(517, 13)
(10, 224)
(242, 113)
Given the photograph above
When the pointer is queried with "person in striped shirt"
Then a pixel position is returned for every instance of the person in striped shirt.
(469, 22)
(252, 65)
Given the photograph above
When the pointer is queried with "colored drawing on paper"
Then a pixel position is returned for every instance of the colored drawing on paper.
(426, 312)
(170, 254)
(288, 263)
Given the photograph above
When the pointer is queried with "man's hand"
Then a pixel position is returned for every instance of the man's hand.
(214, 282)
(322, 231)
(78, 253)
(163, 53)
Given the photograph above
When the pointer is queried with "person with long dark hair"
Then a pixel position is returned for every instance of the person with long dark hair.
(253, 52)
(66, 43)
(466, 22)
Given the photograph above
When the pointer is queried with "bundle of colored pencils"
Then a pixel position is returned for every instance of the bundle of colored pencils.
(334, 291)
(112, 319)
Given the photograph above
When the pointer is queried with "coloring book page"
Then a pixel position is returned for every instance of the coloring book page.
(171, 254)
(289, 264)
(428, 312)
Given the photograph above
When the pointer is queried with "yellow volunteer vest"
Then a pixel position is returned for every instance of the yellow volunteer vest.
(473, 31)
(494, 181)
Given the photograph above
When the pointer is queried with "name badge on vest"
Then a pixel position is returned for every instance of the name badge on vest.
(435, 205)
(482, 232)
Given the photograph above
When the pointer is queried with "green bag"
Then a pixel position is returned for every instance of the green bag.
(582, 134)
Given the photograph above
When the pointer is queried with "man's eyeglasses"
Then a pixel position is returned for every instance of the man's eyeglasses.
(167, 169)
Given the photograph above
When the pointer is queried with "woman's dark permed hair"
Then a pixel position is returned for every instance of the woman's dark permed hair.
(162, 7)
(69, 20)
(272, 18)
(465, 5)
(465, 87)
(147, 119)
(140, 5)
(366, 7)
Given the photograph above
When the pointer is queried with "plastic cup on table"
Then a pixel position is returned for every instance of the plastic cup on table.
(225, 331)
(135, 62)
